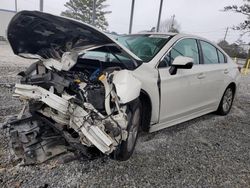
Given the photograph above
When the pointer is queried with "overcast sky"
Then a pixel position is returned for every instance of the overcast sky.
(200, 17)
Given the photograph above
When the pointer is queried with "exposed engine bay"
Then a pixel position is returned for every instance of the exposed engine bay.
(80, 95)
(68, 105)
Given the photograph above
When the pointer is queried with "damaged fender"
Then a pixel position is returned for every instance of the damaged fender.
(127, 86)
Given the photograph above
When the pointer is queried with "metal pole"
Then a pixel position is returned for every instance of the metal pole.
(16, 5)
(159, 17)
(172, 24)
(131, 16)
(94, 13)
(41, 5)
(225, 34)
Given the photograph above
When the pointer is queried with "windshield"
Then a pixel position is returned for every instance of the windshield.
(110, 56)
(144, 46)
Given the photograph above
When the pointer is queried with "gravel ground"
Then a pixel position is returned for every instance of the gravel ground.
(210, 151)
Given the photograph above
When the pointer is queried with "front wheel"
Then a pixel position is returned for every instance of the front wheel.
(126, 148)
(226, 102)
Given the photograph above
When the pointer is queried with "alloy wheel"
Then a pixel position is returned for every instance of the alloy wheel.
(133, 130)
(227, 100)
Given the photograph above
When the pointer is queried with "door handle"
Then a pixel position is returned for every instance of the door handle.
(201, 76)
(226, 71)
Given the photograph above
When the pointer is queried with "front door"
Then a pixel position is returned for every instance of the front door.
(182, 93)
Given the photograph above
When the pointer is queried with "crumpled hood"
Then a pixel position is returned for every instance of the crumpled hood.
(38, 33)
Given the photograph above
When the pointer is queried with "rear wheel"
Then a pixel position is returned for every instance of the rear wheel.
(226, 102)
(134, 120)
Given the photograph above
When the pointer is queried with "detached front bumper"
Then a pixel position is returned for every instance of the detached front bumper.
(71, 114)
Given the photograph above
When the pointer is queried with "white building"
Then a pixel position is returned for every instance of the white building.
(5, 17)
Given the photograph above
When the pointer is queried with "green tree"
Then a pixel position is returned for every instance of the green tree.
(245, 25)
(170, 25)
(243, 9)
(83, 10)
(233, 50)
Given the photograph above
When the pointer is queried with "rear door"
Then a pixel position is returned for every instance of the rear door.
(181, 94)
(213, 70)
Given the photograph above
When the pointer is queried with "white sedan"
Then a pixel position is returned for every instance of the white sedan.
(184, 77)
(88, 90)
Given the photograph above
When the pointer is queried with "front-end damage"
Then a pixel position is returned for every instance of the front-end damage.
(71, 108)
(80, 94)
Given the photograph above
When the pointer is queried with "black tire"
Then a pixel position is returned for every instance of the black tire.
(126, 148)
(226, 102)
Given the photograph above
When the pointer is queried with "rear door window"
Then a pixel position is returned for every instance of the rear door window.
(209, 53)
(222, 58)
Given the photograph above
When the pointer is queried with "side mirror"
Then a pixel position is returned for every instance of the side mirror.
(181, 62)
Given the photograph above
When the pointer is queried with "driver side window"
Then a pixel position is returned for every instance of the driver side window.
(185, 47)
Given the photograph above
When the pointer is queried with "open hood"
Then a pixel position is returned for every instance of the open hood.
(38, 33)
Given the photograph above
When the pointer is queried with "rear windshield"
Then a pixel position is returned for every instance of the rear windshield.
(144, 46)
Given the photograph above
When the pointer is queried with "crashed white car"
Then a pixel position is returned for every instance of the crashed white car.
(90, 91)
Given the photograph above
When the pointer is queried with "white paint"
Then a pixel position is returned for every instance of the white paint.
(68, 60)
(188, 94)
(69, 113)
(52, 63)
(127, 86)
(181, 60)
(41, 94)
(93, 133)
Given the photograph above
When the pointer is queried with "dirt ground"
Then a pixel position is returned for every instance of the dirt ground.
(210, 151)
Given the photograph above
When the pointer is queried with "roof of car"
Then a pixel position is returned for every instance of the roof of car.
(158, 33)
(166, 34)
(178, 35)
(154, 33)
